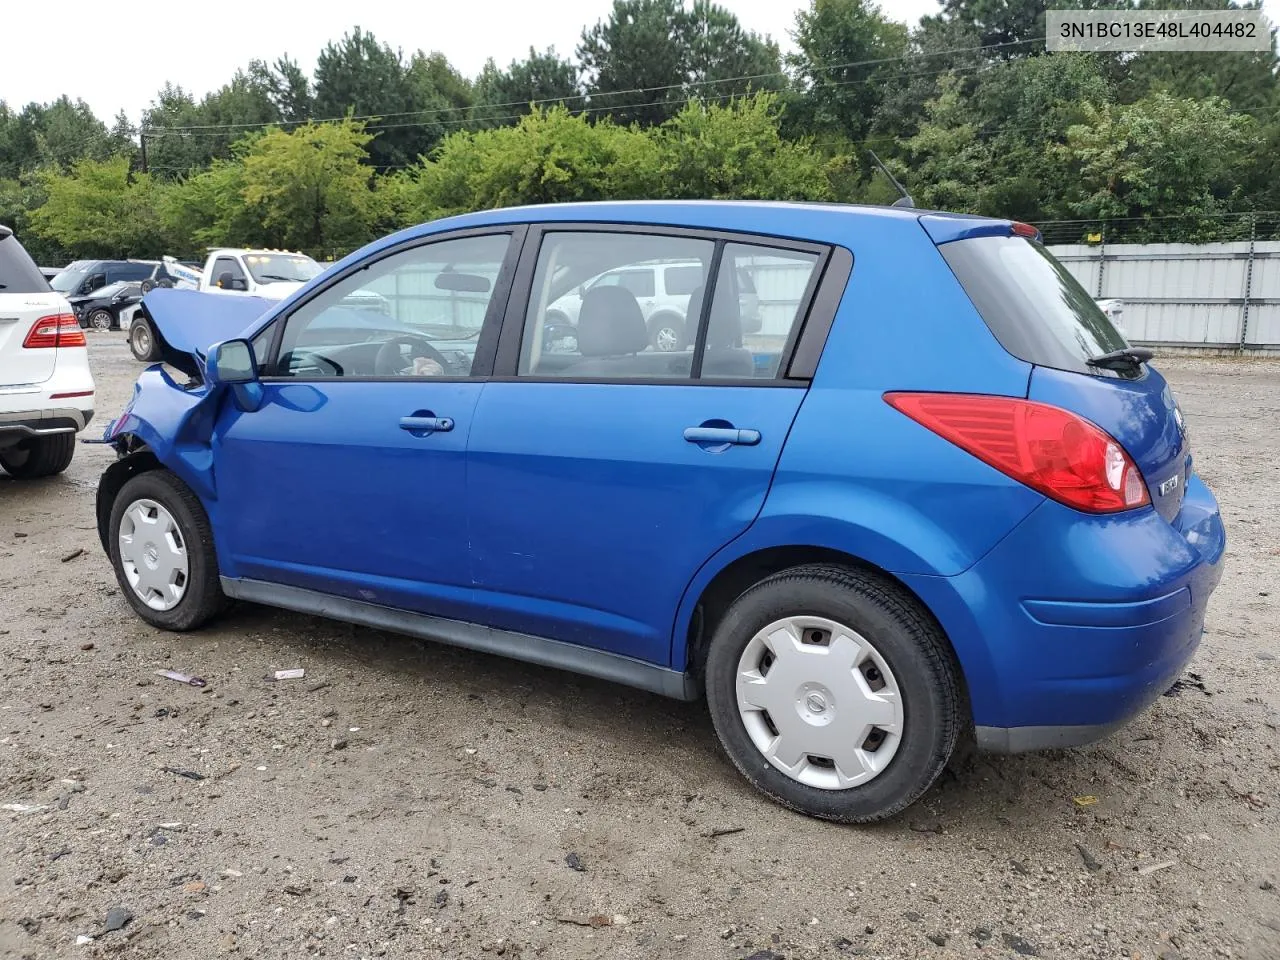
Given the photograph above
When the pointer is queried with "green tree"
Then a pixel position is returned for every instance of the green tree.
(737, 152)
(360, 77)
(100, 209)
(550, 156)
(847, 49)
(650, 56)
(286, 86)
(1161, 156)
(541, 78)
(311, 188)
(1016, 25)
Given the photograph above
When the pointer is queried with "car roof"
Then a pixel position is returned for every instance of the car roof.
(816, 221)
(240, 251)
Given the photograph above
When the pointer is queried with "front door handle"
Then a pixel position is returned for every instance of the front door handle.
(426, 424)
(745, 438)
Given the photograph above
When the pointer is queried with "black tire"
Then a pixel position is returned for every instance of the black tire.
(102, 319)
(142, 341)
(911, 644)
(39, 456)
(666, 332)
(204, 598)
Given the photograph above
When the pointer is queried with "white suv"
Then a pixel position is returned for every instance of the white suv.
(46, 389)
(663, 291)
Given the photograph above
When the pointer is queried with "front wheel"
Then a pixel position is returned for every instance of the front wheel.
(102, 320)
(834, 693)
(142, 343)
(163, 554)
(39, 456)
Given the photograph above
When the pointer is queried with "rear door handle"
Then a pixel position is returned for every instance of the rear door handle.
(426, 424)
(745, 438)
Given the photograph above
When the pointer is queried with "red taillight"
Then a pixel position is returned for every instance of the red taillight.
(61, 330)
(1025, 230)
(1052, 450)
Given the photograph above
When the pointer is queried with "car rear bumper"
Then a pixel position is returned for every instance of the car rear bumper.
(1073, 624)
(39, 423)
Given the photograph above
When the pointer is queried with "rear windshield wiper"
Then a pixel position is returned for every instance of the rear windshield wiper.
(1120, 359)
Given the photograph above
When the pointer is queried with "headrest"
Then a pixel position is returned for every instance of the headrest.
(611, 323)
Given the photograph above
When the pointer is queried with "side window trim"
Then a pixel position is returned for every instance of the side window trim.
(810, 335)
(507, 359)
(486, 346)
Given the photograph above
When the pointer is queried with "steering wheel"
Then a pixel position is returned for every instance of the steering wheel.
(390, 362)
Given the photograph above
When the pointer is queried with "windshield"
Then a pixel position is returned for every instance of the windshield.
(281, 267)
(1037, 310)
(69, 280)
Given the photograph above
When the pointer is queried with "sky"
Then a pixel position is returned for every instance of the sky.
(117, 56)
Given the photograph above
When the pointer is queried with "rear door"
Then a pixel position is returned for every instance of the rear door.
(25, 298)
(1041, 314)
(600, 480)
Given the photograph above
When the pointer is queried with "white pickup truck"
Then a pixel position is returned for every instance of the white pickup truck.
(240, 272)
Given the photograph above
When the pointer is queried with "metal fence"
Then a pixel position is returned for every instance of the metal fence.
(1207, 296)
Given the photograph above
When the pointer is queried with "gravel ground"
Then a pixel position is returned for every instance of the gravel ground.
(411, 800)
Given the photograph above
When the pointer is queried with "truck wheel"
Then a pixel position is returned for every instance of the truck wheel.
(39, 456)
(142, 341)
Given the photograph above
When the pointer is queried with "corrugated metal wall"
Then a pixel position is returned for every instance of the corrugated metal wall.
(1221, 295)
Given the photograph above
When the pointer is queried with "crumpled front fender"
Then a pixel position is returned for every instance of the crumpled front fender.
(175, 422)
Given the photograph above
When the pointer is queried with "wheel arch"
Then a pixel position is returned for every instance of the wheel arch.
(139, 459)
(728, 576)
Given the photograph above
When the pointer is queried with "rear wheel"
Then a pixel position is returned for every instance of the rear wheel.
(163, 554)
(39, 456)
(834, 693)
(666, 333)
(142, 342)
(102, 320)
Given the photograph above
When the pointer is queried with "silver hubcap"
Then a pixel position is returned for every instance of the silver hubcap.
(819, 702)
(101, 320)
(142, 339)
(667, 339)
(153, 554)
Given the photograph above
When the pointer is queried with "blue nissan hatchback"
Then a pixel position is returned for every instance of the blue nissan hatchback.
(927, 491)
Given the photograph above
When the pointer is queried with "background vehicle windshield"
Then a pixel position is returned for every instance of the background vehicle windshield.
(281, 267)
(69, 280)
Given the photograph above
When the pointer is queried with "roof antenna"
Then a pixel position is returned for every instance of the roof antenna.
(902, 201)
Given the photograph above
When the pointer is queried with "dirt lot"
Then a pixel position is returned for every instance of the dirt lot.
(410, 800)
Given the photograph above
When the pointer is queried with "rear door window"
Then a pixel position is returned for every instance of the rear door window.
(1037, 310)
(18, 272)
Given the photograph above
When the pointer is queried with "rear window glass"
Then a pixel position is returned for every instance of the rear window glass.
(18, 272)
(1035, 308)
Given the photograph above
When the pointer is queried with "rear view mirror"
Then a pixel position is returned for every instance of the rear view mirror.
(463, 282)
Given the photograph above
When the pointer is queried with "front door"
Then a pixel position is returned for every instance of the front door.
(601, 479)
(350, 477)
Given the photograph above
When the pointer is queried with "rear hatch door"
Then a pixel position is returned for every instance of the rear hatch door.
(25, 297)
(1041, 314)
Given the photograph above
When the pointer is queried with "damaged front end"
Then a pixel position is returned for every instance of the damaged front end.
(168, 423)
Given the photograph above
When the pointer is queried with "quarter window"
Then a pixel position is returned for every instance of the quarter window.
(418, 313)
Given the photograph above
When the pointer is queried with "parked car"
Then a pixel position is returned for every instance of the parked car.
(1114, 309)
(49, 272)
(83, 277)
(947, 497)
(46, 389)
(108, 306)
(662, 289)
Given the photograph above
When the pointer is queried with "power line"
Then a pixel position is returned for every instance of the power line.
(610, 93)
